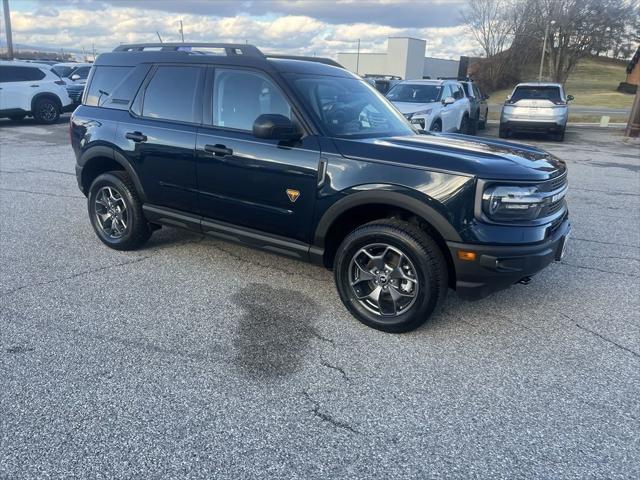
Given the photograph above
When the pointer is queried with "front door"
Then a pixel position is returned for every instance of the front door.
(260, 184)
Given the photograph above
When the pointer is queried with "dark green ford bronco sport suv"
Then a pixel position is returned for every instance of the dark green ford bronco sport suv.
(302, 158)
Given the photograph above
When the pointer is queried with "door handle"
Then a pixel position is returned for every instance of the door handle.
(136, 136)
(218, 150)
(34, 86)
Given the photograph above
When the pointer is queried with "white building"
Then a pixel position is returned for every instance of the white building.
(405, 58)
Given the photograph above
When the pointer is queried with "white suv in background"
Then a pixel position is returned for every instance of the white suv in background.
(31, 89)
(434, 105)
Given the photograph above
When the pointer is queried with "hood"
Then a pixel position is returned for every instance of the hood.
(410, 107)
(480, 157)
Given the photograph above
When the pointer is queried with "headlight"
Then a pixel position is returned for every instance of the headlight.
(422, 112)
(512, 203)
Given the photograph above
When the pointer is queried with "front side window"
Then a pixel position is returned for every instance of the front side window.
(414, 93)
(62, 70)
(457, 92)
(82, 71)
(241, 96)
(349, 107)
(172, 94)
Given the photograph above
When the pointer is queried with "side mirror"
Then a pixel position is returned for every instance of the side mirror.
(273, 126)
(448, 101)
(508, 97)
(75, 77)
(569, 98)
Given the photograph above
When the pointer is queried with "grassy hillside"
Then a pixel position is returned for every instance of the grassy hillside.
(593, 83)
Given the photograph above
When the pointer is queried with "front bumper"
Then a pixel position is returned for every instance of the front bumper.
(498, 267)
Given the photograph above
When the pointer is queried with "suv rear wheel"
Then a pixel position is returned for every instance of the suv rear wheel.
(391, 275)
(436, 126)
(116, 212)
(46, 110)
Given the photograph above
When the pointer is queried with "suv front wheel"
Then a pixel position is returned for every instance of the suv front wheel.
(116, 212)
(391, 275)
(46, 110)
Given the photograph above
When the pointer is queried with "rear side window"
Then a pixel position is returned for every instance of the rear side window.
(103, 83)
(172, 94)
(20, 74)
(476, 92)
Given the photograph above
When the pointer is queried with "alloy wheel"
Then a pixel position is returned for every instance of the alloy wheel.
(111, 212)
(48, 111)
(383, 279)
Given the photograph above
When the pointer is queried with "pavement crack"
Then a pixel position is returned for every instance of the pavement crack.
(322, 337)
(326, 364)
(75, 275)
(612, 342)
(325, 417)
(584, 267)
(607, 192)
(603, 242)
(46, 194)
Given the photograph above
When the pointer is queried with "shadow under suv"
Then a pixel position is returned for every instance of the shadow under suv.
(307, 160)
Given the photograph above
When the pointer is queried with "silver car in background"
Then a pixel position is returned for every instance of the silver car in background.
(536, 107)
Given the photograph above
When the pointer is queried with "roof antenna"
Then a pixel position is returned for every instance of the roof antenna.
(159, 37)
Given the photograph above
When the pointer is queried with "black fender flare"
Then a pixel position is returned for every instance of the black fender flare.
(102, 151)
(386, 197)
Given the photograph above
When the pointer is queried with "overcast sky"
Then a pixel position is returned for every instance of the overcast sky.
(320, 27)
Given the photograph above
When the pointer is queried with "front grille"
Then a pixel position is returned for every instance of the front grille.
(554, 183)
(557, 184)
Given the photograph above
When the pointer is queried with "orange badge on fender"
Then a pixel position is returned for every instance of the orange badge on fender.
(293, 194)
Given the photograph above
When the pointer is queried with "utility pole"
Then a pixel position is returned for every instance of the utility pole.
(544, 48)
(181, 31)
(358, 59)
(159, 37)
(7, 24)
(93, 49)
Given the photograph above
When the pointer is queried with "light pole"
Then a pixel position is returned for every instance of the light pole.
(544, 48)
(7, 24)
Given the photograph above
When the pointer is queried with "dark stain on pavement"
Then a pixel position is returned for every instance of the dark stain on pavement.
(626, 166)
(15, 349)
(274, 331)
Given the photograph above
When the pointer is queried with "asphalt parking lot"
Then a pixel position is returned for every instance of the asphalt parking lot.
(199, 358)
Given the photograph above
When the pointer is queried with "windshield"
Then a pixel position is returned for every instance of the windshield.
(350, 108)
(536, 93)
(62, 71)
(415, 93)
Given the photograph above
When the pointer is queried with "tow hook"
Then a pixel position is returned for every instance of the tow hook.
(525, 280)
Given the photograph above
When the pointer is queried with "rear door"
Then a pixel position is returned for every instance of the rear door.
(159, 136)
(18, 86)
(266, 185)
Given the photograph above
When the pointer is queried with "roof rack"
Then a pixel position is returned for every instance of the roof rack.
(326, 61)
(230, 49)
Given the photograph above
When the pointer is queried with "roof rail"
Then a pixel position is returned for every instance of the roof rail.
(326, 61)
(230, 49)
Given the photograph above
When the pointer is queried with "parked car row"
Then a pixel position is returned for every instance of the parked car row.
(441, 105)
(40, 90)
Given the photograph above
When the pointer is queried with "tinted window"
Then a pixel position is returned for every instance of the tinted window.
(536, 93)
(350, 108)
(476, 92)
(82, 71)
(239, 97)
(104, 80)
(20, 74)
(172, 94)
(457, 92)
(414, 93)
(62, 71)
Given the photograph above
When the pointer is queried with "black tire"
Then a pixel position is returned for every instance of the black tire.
(137, 230)
(482, 124)
(436, 126)
(464, 125)
(46, 110)
(423, 255)
(559, 136)
(17, 118)
(503, 132)
(473, 126)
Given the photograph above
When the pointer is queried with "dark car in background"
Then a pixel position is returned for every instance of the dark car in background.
(478, 108)
(307, 160)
